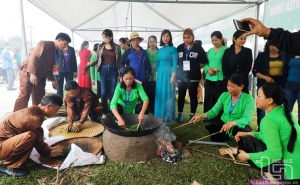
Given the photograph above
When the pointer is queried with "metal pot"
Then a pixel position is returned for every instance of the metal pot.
(150, 124)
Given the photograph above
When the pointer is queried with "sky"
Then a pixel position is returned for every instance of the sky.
(44, 27)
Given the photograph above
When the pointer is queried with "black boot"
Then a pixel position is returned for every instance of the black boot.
(17, 172)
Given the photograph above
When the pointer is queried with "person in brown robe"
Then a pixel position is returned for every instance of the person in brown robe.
(38, 67)
(80, 102)
(21, 131)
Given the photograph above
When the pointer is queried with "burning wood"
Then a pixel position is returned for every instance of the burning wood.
(167, 152)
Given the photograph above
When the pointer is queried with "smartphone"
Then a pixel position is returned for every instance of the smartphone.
(242, 26)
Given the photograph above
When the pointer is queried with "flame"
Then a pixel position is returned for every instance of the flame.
(162, 146)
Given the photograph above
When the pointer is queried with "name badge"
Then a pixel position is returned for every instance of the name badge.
(55, 70)
(186, 65)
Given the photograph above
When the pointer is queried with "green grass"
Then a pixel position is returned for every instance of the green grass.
(199, 167)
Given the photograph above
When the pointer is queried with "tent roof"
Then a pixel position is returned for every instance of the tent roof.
(149, 17)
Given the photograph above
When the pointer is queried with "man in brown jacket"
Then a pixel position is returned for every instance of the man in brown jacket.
(80, 102)
(36, 68)
(21, 131)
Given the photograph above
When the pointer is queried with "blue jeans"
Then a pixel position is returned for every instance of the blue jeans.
(292, 93)
(108, 81)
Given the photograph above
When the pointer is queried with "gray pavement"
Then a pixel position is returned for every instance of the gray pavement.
(8, 98)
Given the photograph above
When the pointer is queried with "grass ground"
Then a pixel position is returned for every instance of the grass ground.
(200, 167)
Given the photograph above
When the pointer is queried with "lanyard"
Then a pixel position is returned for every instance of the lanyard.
(187, 51)
(233, 107)
(128, 98)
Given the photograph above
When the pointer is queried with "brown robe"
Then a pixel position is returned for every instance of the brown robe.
(86, 105)
(40, 63)
(19, 133)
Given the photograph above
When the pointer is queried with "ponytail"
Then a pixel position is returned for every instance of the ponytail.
(293, 137)
(223, 42)
(274, 91)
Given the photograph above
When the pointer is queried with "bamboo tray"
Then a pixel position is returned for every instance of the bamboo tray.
(88, 129)
(87, 144)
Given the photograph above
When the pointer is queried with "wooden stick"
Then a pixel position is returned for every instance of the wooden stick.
(214, 155)
(241, 163)
(182, 125)
(202, 138)
(57, 174)
(137, 128)
(235, 161)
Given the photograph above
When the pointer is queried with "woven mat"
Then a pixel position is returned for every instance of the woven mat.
(87, 144)
(88, 129)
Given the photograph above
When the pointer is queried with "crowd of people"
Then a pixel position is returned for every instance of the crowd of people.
(138, 81)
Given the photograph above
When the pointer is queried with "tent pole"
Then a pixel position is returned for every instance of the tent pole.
(23, 29)
(131, 16)
(255, 52)
(73, 41)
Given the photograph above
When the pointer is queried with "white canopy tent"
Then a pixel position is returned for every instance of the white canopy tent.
(149, 17)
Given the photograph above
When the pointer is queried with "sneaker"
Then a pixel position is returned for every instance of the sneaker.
(104, 116)
(191, 116)
(180, 118)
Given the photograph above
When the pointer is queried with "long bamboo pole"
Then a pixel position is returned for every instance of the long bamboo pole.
(203, 138)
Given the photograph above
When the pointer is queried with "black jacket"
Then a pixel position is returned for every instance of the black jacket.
(261, 65)
(196, 57)
(285, 41)
(73, 61)
(241, 63)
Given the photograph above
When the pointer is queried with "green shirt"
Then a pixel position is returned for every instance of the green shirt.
(275, 132)
(92, 69)
(214, 61)
(241, 114)
(122, 51)
(121, 95)
(153, 60)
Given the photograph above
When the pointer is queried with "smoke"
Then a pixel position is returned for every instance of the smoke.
(165, 133)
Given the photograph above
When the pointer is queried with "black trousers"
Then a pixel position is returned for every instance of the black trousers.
(215, 125)
(149, 88)
(192, 87)
(62, 76)
(251, 144)
(213, 90)
(98, 89)
(138, 108)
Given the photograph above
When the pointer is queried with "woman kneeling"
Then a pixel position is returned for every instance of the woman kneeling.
(277, 145)
(126, 98)
(237, 108)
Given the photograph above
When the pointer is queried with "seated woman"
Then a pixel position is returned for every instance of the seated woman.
(126, 96)
(237, 109)
(277, 145)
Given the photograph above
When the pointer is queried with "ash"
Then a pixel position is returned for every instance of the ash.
(171, 156)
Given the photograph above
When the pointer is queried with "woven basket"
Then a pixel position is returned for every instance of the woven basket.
(87, 144)
(88, 129)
